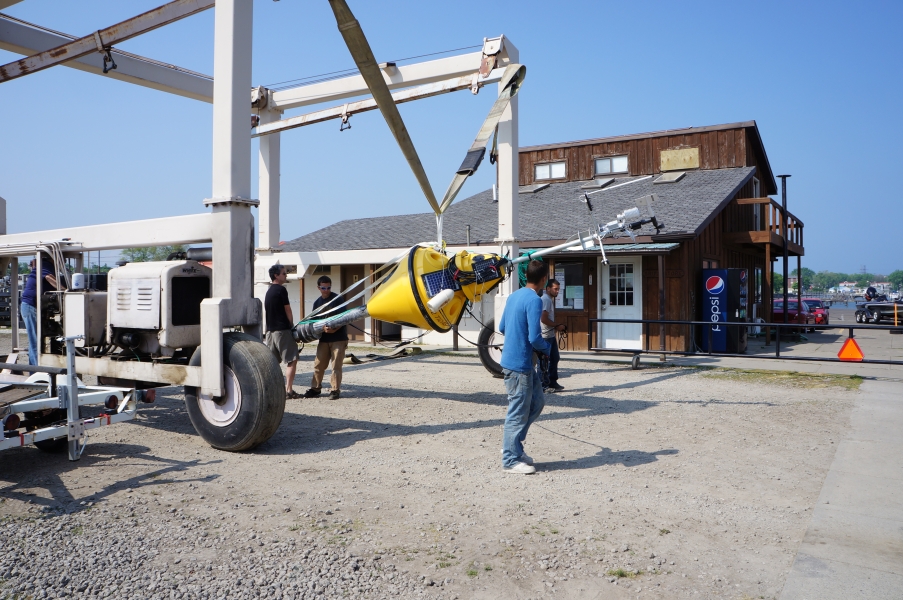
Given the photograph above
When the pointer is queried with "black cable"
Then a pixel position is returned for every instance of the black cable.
(344, 72)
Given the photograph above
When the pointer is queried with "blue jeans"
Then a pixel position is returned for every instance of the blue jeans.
(525, 403)
(30, 316)
(554, 359)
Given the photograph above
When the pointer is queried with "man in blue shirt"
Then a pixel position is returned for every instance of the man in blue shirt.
(29, 307)
(520, 324)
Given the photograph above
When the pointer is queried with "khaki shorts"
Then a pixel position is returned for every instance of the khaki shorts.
(283, 345)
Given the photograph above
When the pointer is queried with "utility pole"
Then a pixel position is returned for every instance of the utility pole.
(784, 220)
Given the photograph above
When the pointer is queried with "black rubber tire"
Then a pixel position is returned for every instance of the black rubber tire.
(54, 446)
(635, 362)
(876, 317)
(260, 381)
(488, 336)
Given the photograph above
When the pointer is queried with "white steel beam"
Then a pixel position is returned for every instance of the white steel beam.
(424, 91)
(268, 185)
(186, 229)
(400, 77)
(507, 173)
(232, 301)
(24, 38)
(104, 38)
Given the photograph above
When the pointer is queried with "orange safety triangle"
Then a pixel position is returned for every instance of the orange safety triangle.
(850, 351)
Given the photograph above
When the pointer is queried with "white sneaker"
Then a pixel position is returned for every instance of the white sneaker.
(521, 468)
(524, 458)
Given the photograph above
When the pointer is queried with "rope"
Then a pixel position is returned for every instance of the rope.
(563, 339)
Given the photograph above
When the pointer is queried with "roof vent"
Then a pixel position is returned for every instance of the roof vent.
(597, 184)
(671, 177)
(532, 189)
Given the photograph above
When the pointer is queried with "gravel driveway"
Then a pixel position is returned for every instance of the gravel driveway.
(659, 483)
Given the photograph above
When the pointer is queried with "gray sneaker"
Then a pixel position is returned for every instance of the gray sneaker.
(520, 468)
(524, 458)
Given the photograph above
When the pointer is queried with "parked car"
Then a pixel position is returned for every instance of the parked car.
(794, 314)
(819, 309)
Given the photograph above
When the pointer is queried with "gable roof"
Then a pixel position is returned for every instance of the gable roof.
(551, 214)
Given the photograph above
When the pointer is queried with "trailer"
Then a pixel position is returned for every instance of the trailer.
(877, 312)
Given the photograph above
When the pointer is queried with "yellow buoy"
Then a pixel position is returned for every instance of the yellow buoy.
(424, 273)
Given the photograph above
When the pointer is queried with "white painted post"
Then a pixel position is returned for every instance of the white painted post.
(231, 203)
(268, 185)
(509, 213)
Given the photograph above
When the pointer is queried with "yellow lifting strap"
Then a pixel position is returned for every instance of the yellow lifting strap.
(366, 63)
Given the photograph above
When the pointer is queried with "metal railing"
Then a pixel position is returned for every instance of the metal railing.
(709, 327)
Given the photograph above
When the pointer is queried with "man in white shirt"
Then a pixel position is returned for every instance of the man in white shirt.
(549, 327)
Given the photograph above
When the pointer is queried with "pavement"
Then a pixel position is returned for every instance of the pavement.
(853, 547)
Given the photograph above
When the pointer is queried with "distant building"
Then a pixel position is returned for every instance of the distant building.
(846, 286)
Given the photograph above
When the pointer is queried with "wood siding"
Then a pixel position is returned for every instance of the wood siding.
(683, 272)
(724, 149)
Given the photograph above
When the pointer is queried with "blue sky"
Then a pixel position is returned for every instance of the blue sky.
(822, 80)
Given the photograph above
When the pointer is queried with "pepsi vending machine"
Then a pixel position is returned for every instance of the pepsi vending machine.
(725, 297)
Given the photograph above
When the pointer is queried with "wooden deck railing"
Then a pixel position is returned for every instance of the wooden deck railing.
(776, 222)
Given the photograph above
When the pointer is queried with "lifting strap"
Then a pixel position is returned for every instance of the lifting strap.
(366, 63)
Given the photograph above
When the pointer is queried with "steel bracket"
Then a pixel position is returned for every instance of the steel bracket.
(77, 430)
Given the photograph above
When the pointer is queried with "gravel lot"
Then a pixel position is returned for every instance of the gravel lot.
(659, 483)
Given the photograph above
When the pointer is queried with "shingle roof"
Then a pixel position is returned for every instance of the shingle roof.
(554, 213)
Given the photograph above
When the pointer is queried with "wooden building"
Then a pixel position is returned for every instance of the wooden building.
(711, 185)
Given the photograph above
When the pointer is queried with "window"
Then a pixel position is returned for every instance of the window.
(611, 164)
(620, 285)
(570, 278)
(709, 264)
(323, 269)
(555, 170)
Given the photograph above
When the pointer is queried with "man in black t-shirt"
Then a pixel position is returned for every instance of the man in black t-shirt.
(279, 337)
(331, 346)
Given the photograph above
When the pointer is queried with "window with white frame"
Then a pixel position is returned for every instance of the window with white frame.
(611, 164)
(555, 170)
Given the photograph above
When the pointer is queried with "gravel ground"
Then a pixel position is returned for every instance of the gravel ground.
(659, 483)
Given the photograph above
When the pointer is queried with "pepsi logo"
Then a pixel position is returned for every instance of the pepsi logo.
(714, 285)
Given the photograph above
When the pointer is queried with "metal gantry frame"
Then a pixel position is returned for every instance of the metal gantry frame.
(229, 224)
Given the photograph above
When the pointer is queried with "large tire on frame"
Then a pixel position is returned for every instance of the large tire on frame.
(251, 410)
(490, 348)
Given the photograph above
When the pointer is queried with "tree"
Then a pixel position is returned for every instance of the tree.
(864, 279)
(777, 283)
(896, 278)
(150, 254)
(808, 274)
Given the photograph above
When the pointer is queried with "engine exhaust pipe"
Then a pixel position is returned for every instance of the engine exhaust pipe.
(313, 330)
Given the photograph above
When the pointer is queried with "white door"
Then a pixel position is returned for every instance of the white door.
(622, 290)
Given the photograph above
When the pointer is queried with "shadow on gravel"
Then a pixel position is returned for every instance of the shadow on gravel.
(605, 457)
(304, 434)
(42, 470)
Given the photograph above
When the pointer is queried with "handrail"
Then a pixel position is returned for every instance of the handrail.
(711, 324)
(775, 219)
